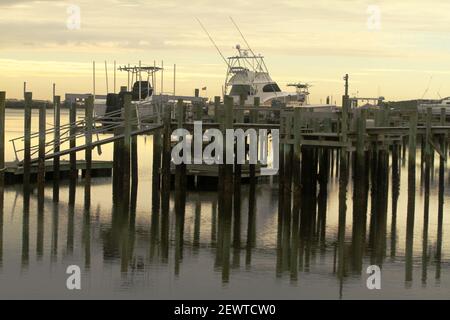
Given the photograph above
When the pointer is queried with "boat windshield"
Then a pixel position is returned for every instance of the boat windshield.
(240, 89)
(272, 87)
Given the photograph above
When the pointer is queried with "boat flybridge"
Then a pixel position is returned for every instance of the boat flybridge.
(248, 77)
(142, 86)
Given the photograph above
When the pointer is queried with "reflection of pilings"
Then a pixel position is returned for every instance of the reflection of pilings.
(251, 230)
(411, 197)
(55, 233)
(25, 230)
(86, 238)
(197, 223)
(154, 234)
(308, 205)
(360, 194)
(380, 217)
(214, 223)
(179, 239)
(70, 229)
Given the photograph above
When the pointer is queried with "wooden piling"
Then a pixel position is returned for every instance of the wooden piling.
(134, 153)
(228, 173)
(127, 109)
(56, 146)
(73, 155)
(27, 142)
(411, 196)
(2, 147)
(217, 110)
(252, 167)
(361, 142)
(180, 169)
(89, 106)
(156, 167)
(166, 159)
(238, 169)
(41, 163)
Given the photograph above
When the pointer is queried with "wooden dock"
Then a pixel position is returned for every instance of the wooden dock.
(14, 174)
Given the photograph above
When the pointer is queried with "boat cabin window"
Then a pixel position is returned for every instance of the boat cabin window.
(240, 89)
(273, 87)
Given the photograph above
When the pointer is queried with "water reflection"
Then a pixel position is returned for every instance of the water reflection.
(327, 233)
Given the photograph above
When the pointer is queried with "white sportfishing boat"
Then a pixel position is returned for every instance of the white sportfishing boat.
(248, 78)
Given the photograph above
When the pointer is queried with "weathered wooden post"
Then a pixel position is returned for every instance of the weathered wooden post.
(27, 143)
(229, 150)
(56, 147)
(426, 209)
(134, 150)
(227, 201)
(180, 169)
(361, 143)
(441, 196)
(252, 167)
(41, 163)
(287, 210)
(297, 192)
(238, 167)
(89, 106)
(2, 146)
(126, 150)
(411, 195)
(217, 110)
(166, 159)
(73, 155)
(156, 167)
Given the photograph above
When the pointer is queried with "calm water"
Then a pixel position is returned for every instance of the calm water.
(125, 256)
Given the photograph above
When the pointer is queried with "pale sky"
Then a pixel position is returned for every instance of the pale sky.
(315, 41)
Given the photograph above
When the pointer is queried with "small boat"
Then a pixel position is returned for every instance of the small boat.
(149, 104)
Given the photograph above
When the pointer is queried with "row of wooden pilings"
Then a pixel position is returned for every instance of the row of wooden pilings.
(297, 171)
(29, 150)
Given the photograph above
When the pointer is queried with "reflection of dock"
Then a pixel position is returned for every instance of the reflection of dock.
(14, 173)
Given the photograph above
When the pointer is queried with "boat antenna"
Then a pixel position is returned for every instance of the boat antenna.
(428, 88)
(213, 42)
(242, 35)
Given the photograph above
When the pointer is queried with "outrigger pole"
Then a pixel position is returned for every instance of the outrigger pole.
(215, 45)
